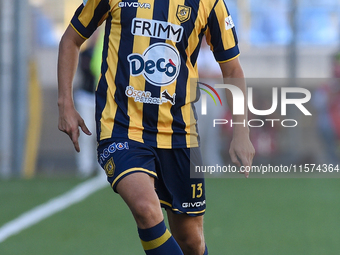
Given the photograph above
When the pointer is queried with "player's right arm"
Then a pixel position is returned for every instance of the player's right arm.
(69, 118)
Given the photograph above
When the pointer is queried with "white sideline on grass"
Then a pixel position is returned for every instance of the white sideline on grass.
(57, 204)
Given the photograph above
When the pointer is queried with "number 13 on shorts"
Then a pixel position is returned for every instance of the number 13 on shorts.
(197, 190)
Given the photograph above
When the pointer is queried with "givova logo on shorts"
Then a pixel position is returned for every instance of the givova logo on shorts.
(113, 147)
(159, 64)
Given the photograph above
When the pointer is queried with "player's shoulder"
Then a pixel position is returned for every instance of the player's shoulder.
(96, 2)
(209, 4)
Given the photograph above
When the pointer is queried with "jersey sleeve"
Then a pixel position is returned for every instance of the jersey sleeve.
(89, 16)
(221, 34)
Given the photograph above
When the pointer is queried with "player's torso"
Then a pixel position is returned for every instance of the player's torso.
(152, 47)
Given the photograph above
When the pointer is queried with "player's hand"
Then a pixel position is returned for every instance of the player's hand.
(242, 148)
(69, 123)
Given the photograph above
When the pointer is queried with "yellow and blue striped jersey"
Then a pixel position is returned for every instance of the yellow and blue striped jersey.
(148, 64)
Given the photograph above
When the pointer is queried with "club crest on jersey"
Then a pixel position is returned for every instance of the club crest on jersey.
(110, 168)
(159, 64)
(183, 13)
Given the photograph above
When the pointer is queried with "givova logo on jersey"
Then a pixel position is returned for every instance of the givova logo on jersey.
(134, 5)
(159, 64)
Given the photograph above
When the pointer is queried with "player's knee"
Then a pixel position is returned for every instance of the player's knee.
(146, 213)
(192, 244)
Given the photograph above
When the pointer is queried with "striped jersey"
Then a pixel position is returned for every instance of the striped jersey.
(149, 73)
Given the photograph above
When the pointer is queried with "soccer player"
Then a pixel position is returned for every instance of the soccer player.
(146, 124)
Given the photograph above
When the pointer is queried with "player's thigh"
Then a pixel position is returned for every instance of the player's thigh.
(137, 187)
(131, 168)
(138, 192)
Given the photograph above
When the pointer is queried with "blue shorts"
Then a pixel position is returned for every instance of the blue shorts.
(170, 168)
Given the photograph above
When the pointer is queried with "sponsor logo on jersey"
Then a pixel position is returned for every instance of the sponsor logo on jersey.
(166, 97)
(157, 29)
(159, 64)
(134, 5)
(229, 23)
(112, 149)
(183, 13)
(146, 98)
(193, 205)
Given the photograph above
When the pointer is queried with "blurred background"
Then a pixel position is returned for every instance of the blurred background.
(282, 42)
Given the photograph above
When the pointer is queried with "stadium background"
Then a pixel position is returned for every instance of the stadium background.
(279, 39)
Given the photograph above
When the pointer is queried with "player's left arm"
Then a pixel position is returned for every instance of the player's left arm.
(241, 146)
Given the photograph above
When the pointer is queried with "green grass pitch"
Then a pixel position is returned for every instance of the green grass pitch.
(244, 216)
